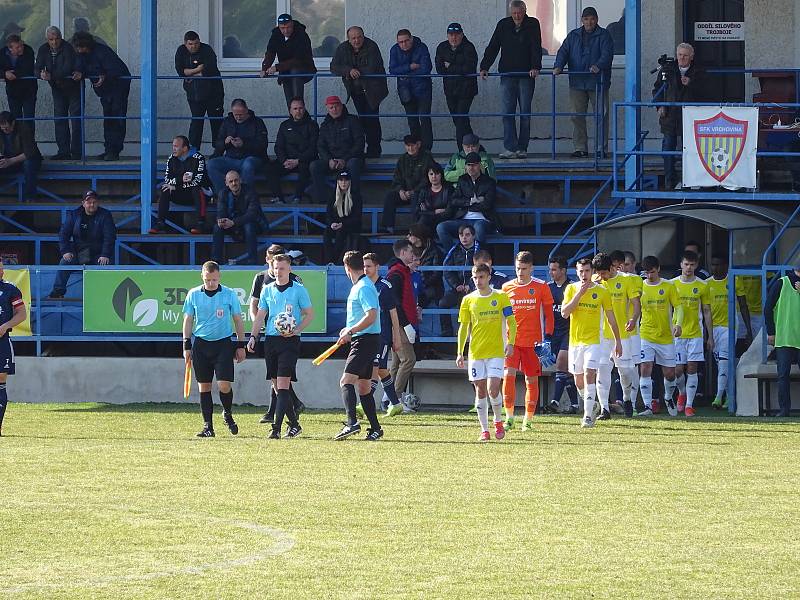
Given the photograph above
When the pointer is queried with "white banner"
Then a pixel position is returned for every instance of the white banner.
(719, 146)
(718, 31)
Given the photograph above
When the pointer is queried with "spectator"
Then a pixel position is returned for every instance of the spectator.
(83, 25)
(783, 332)
(340, 147)
(344, 220)
(431, 199)
(356, 60)
(18, 62)
(197, 62)
(496, 278)
(429, 256)
(19, 152)
(409, 174)
(56, 64)
(681, 82)
(185, 183)
(241, 145)
(457, 165)
(587, 48)
(296, 145)
(518, 39)
(472, 203)
(239, 216)
(110, 79)
(87, 237)
(457, 282)
(457, 56)
(410, 56)
(399, 275)
(290, 44)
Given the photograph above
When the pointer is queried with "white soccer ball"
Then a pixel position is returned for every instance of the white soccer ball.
(285, 323)
(411, 402)
(720, 159)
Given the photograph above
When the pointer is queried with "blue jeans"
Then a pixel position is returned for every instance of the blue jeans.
(250, 233)
(517, 91)
(447, 231)
(246, 167)
(786, 356)
(62, 277)
(669, 143)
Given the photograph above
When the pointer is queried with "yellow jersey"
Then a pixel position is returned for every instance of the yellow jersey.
(718, 296)
(586, 320)
(693, 295)
(484, 320)
(751, 284)
(658, 301)
(622, 288)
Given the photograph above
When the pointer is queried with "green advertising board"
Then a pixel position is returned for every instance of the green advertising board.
(151, 301)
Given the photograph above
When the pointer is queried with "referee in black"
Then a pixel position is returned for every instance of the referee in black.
(210, 312)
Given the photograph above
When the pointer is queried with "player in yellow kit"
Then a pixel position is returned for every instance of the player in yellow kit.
(689, 353)
(586, 304)
(487, 319)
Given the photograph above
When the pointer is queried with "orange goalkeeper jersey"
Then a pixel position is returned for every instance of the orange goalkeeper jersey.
(533, 310)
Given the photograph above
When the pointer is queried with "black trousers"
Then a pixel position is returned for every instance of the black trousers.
(460, 105)
(213, 107)
(390, 203)
(192, 196)
(334, 243)
(293, 87)
(68, 103)
(115, 104)
(303, 171)
(371, 122)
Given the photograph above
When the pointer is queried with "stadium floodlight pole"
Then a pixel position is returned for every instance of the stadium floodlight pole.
(633, 120)
(149, 122)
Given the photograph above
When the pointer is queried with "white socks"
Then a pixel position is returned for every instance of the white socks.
(722, 377)
(669, 388)
(604, 384)
(691, 388)
(589, 394)
(497, 403)
(627, 375)
(681, 381)
(646, 387)
(483, 413)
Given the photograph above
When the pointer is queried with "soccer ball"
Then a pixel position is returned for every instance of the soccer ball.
(411, 402)
(720, 159)
(285, 323)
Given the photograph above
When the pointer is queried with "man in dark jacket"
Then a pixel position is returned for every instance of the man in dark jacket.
(457, 282)
(410, 172)
(340, 147)
(197, 62)
(86, 237)
(241, 145)
(56, 64)
(290, 44)
(356, 57)
(17, 62)
(239, 216)
(588, 48)
(457, 56)
(111, 82)
(18, 152)
(296, 145)
(410, 56)
(429, 256)
(399, 275)
(472, 204)
(518, 39)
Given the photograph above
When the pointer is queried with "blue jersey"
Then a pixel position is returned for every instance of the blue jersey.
(561, 325)
(10, 299)
(386, 302)
(292, 299)
(213, 315)
(362, 298)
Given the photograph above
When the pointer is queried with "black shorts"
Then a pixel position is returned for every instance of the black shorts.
(363, 349)
(559, 341)
(280, 355)
(6, 356)
(213, 358)
(382, 357)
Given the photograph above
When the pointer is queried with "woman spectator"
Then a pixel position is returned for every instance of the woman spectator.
(430, 200)
(344, 220)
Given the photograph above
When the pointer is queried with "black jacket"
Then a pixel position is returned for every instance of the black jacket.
(297, 139)
(102, 60)
(351, 222)
(242, 209)
(194, 163)
(294, 53)
(22, 141)
(431, 280)
(521, 50)
(368, 61)
(60, 68)
(425, 204)
(199, 88)
(20, 89)
(458, 256)
(463, 60)
(341, 138)
(484, 188)
(410, 172)
(101, 235)
(253, 132)
(672, 121)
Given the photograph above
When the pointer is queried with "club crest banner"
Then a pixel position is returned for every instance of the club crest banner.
(719, 146)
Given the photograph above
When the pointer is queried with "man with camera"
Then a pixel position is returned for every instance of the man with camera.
(677, 80)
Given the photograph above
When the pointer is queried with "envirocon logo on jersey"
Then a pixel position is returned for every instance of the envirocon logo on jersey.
(127, 300)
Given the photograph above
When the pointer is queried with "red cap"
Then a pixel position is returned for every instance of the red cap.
(333, 100)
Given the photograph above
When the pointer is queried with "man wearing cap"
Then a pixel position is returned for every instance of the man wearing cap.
(410, 56)
(588, 49)
(457, 165)
(355, 58)
(340, 147)
(290, 44)
(457, 56)
(17, 65)
(518, 40)
(410, 172)
(86, 237)
(471, 204)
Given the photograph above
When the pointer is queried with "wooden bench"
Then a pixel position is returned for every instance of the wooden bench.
(764, 381)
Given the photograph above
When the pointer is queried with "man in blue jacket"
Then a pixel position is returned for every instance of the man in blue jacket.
(410, 56)
(588, 48)
(86, 237)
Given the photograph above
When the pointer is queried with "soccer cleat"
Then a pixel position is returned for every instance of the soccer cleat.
(689, 412)
(274, 434)
(499, 431)
(587, 422)
(627, 407)
(555, 406)
(347, 431)
(473, 410)
(717, 403)
(681, 402)
(360, 412)
(206, 433)
(509, 423)
(373, 435)
(725, 403)
(655, 407)
(293, 431)
(267, 418)
(672, 409)
(647, 412)
(394, 410)
(604, 415)
(484, 437)
(232, 426)
(526, 425)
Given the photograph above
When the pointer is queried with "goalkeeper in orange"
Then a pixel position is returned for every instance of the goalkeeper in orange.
(532, 302)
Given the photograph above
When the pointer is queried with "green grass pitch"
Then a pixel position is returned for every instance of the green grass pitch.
(100, 501)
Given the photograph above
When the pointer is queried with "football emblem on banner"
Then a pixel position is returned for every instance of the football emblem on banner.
(720, 142)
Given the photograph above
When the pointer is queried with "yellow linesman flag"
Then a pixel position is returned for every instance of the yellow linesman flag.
(22, 279)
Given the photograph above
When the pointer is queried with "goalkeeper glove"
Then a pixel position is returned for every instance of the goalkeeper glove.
(545, 354)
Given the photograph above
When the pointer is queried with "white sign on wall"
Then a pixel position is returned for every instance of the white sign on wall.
(719, 31)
